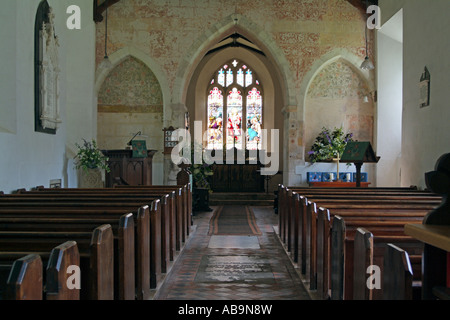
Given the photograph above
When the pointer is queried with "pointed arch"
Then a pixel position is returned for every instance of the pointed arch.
(352, 60)
(120, 55)
(350, 114)
(251, 30)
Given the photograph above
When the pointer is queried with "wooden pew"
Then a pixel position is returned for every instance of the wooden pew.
(95, 248)
(370, 249)
(124, 241)
(380, 210)
(174, 221)
(291, 220)
(398, 274)
(124, 229)
(329, 239)
(354, 248)
(160, 233)
(24, 279)
(186, 221)
(340, 196)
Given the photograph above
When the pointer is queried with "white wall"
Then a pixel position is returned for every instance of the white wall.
(425, 131)
(30, 158)
(390, 101)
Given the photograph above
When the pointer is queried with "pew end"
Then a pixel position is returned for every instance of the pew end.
(25, 281)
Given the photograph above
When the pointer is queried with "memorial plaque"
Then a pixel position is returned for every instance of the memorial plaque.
(234, 269)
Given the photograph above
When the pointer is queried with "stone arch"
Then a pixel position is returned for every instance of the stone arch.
(119, 56)
(365, 77)
(149, 120)
(249, 29)
(328, 58)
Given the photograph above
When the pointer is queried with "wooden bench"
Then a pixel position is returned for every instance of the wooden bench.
(179, 197)
(401, 274)
(124, 240)
(95, 253)
(301, 234)
(172, 236)
(382, 249)
(22, 278)
(294, 222)
(92, 201)
(393, 221)
(285, 199)
(147, 227)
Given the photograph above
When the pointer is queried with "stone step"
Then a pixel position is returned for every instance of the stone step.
(252, 199)
(241, 202)
(235, 195)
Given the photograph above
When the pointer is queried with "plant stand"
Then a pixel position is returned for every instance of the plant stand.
(92, 178)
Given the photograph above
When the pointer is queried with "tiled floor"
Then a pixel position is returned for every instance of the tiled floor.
(233, 267)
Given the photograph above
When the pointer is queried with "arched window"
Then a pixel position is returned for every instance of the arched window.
(234, 110)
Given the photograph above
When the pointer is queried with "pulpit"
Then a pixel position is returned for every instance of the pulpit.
(124, 164)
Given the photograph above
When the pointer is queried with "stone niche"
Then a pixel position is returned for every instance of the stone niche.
(339, 97)
(130, 100)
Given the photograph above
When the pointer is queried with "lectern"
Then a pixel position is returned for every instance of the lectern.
(359, 153)
(130, 168)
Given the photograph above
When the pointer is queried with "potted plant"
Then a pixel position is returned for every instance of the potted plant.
(329, 146)
(90, 157)
(201, 188)
(91, 160)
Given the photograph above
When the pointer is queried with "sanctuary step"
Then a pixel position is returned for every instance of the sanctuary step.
(251, 199)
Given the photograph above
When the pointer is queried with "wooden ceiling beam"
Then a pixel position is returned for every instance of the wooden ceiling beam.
(100, 7)
(361, 4)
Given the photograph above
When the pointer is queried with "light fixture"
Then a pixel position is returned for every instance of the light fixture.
(106, 63)
(367, 64)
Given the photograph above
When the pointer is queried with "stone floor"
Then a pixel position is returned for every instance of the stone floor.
(233, 267)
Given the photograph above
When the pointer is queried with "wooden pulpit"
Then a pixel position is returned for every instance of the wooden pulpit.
(359, 153)
(124, 164)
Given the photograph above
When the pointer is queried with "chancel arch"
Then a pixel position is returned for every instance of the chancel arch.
(197, 101)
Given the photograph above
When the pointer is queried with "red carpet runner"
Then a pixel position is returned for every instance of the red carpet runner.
(233, 220)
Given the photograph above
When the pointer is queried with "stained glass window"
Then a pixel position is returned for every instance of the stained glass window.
(229, 77)
(240, 77)
(254, 119)
(234, 119)
(248, 78)
(221, 78)
(215, 116)
(236, 93)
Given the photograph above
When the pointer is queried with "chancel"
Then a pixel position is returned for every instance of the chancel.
(293, 90)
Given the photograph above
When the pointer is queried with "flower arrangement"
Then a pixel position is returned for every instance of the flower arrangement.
(329, 145)
(90, 157)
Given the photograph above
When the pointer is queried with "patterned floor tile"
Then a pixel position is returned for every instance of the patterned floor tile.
(261, 272)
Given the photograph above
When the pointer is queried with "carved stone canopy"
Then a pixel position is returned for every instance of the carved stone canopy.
(49, 74)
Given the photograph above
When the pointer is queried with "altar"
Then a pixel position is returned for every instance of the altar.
(234, 177)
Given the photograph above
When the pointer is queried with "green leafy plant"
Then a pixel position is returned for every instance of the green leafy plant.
(201, 172)
(329, 145)
(90, 157)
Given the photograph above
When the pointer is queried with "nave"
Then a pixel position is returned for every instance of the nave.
(233, 267)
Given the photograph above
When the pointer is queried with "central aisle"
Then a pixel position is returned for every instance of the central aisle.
(233, 267)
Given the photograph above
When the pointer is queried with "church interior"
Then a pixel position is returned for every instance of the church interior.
(239, 75)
